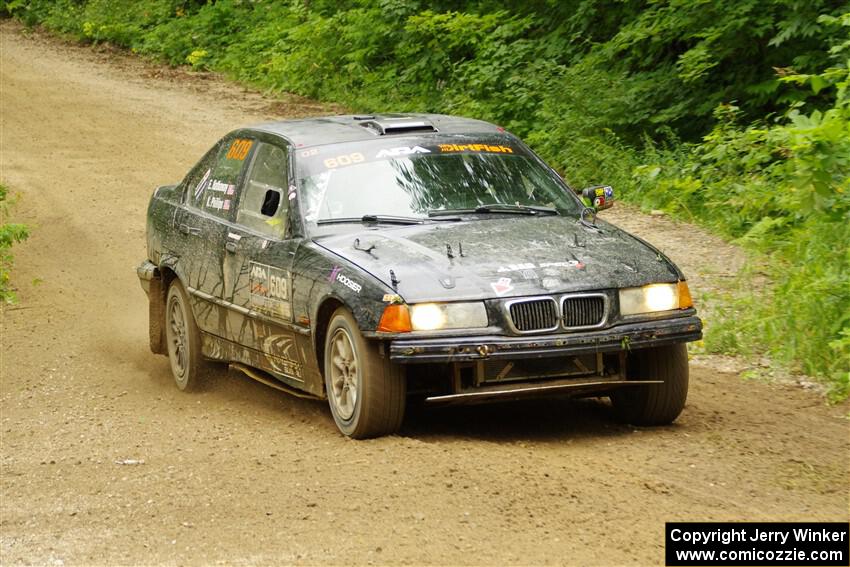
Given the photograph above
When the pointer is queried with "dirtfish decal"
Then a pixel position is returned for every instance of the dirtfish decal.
(402, 151)
(476, 148)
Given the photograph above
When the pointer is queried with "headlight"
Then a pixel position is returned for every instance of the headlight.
(433, 316)
(655, 297)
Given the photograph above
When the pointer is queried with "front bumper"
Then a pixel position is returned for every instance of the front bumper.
(622, 337)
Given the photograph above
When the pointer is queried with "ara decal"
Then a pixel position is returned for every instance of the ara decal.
(402, 151)
(270, 290)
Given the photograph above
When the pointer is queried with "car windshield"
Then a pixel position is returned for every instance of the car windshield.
(420, 179)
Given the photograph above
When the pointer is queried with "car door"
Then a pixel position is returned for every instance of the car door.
(210, 208)
(259, 251)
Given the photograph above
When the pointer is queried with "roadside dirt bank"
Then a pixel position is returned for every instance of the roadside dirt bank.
(241, 474)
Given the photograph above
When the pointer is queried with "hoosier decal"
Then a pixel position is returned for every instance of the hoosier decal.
(270, 290)
(336, 275)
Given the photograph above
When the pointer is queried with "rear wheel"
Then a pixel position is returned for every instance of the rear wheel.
(183, 339)
(654, 404)
(366, 392)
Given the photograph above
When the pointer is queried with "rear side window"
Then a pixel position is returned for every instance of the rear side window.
(215, 190)
(263, 206)
(200, 174)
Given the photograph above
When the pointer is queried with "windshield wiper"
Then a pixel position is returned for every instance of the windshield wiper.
(387, 219)
(503, 208)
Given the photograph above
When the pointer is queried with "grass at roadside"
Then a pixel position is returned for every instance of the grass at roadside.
(10, 234)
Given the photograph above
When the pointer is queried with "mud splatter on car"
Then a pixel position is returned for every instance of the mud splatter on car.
(369, 259)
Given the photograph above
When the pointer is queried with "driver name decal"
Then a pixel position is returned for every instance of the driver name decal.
(222, 187)
(217, 203)
(269, 290)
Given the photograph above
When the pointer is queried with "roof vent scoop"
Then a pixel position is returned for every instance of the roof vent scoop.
(391, 126)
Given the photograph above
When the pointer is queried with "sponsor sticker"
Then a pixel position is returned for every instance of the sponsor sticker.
(445, 148)
(217, 203)
(517, 267)
(343, 160)
(283, 355)
(336, 275)
(222, 187)
(269, 288)
(239, 149)
(202, 184)
(542, 265)
(402, 151)
(502, 286)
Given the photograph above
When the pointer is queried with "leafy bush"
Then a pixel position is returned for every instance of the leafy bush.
(782, 190)
(9, 234)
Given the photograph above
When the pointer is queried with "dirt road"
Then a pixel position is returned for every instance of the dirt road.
(241, 474)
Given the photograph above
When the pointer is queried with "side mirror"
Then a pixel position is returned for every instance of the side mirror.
(599, 197)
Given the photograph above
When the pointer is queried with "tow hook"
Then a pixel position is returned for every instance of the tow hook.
(484, 351)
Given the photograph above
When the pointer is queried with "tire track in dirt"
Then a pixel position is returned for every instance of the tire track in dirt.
(243, 474)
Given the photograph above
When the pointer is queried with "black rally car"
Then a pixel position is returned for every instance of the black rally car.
(371, 259)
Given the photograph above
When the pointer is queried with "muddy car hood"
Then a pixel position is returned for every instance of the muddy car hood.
(499, 257)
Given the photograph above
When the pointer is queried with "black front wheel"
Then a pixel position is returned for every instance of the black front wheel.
(366, 392)
(654, 404)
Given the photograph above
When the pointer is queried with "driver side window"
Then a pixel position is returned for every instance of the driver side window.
(264, 205)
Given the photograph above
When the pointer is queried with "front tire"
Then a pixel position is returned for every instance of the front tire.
(654, 404)
(183, 340)
(366, 392)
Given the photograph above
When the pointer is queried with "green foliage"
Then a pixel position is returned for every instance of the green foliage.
(782, 190)
(643, 68)
(605, 90)
(9, 234)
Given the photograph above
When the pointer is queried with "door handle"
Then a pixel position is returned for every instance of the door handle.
(186, 229)
(232, 242)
